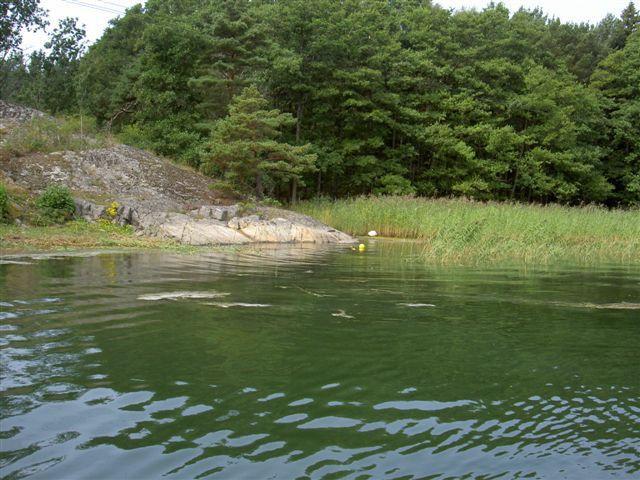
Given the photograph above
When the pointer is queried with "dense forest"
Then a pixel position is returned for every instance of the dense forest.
(292, 98)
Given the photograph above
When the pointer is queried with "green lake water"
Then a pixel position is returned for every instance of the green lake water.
(302, 362)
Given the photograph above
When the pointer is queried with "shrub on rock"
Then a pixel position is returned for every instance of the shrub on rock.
(56, 204)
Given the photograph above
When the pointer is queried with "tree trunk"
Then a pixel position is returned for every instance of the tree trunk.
(298, 121)
(522, 147)
(294, 181)
(259, 187)
(294, 190)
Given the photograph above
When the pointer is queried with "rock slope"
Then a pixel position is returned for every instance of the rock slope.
(156, 196)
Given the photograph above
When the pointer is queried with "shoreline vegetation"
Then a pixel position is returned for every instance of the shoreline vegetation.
(446, 231)
(393, 108)
(464, 231)
(77, 235)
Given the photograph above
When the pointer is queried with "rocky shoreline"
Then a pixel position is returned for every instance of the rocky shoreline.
(157, 197)
(218, 224)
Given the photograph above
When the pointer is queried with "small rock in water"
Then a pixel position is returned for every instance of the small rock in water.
(373, 233)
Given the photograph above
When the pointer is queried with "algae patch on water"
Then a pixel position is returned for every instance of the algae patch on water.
(181, 294)
(416, 305)
(237, 304)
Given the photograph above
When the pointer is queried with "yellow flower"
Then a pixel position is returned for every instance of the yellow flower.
(112, 210)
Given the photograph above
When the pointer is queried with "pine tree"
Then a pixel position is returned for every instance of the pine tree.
(245, 147)
(628, 24)
(232, 55)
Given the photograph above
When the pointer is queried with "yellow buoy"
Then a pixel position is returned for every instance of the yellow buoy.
(361, 247)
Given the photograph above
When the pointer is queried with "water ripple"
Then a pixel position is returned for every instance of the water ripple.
(113, 367)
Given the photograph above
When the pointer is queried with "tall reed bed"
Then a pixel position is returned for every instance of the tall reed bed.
(463, 231)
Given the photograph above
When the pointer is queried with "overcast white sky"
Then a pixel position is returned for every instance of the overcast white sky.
(95, 14)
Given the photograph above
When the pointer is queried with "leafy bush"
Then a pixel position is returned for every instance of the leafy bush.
(475, 188)
(225, 187)
(4, 203)
(133, 135)
(172, 137)
(270, 202)
(56, 204)
(248, 207)
(392, 184)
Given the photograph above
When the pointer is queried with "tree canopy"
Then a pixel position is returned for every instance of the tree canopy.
(16, 15)
(401, 97)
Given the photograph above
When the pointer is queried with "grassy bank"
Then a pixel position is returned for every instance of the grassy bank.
(47, 134)
(461, 231)
(76, 235)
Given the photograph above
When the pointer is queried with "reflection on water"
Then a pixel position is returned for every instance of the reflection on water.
(297, 362)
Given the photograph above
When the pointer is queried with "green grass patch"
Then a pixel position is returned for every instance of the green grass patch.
(463, 231)
(77, 234)
(83, 235)
(46, 135)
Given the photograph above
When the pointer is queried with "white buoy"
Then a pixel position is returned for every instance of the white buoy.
(373, 233)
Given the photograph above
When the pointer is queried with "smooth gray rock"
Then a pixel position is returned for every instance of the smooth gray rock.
(251, 229)
(189, 230)
(196, 229)
(238, 223)
(282, 230)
